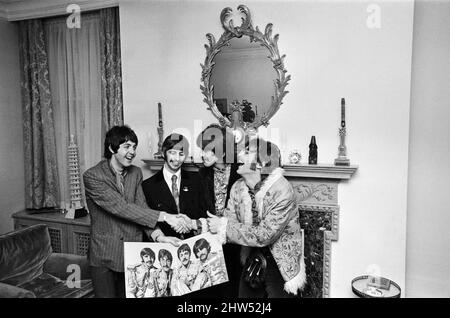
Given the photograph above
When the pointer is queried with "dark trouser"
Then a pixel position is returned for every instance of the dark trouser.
(108, 283)
(273, 286)
(234, 269)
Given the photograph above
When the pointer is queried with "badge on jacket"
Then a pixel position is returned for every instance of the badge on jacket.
(185, 189)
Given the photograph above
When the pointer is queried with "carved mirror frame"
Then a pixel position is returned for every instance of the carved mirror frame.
(264, 39)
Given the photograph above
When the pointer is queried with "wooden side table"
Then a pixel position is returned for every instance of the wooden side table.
(66, 235)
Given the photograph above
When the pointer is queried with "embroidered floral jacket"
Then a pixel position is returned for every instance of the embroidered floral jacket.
(279, 227)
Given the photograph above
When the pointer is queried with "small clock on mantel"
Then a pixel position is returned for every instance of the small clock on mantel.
(295, 157)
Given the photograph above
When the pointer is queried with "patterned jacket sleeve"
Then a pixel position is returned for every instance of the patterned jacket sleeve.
(281, 205)
(112, 201)
(230, 211)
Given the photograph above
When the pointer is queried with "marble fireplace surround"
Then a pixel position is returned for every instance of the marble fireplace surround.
(317, 193)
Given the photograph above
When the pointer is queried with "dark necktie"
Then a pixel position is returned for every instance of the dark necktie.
(255, 216)
(255, 211)
(120, 182)
(175, 193)
(176, 196)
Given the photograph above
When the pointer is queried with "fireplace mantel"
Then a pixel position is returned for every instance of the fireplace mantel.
(316, 187)
(324, 171)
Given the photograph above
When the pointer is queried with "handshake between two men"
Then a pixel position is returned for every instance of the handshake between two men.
(183, 224)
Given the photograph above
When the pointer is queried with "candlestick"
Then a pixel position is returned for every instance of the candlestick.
(159, 114)
(160, 130)
(342, 159)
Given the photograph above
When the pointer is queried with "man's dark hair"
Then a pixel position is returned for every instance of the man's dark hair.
(218, 140)
(210, 134)
(182, 248)
(268, 154)
(116, 136)
(162, 252)
(147, 251)
(175, 141)
(201, 244)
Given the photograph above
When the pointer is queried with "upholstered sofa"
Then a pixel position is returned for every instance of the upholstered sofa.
(28, 268)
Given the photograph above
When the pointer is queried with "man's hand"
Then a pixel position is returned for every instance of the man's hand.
(177, 222)
(188, 221)
(175, 241)
(213, 223)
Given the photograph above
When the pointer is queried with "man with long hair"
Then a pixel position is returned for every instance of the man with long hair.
(262, 215)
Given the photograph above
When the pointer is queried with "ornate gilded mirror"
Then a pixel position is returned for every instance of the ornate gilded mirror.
(243, 78)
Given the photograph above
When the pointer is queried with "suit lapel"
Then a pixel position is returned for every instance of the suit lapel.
(185, 187)
(111, 177)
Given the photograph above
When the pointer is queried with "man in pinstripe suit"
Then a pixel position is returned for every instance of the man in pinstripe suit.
(119, 212)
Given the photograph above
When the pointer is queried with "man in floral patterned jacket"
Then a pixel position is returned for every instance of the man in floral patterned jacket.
(262, 215)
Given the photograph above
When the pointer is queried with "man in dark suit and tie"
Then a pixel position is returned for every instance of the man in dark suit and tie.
(175, 190)
(119, 212)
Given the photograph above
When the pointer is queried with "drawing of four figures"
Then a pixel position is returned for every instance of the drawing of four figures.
(145, 280)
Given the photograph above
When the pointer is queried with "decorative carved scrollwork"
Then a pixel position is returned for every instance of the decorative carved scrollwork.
(264, 39)
(320, 192)
(227, 22)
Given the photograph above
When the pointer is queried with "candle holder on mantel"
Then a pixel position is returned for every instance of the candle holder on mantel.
(160, 130)
(342, 159)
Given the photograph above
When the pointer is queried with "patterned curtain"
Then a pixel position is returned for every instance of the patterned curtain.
(111, 68)
(41, 174)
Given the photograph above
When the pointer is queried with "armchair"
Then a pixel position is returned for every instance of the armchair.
(28, 268)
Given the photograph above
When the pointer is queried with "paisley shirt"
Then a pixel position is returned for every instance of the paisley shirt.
(221, 178)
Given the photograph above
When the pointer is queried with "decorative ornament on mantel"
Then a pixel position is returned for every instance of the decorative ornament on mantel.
(295, 157)
(76, 208)
(160, 130)
(312, 159)
(342, 159)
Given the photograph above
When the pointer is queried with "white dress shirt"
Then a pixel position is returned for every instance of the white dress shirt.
(168, 178)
